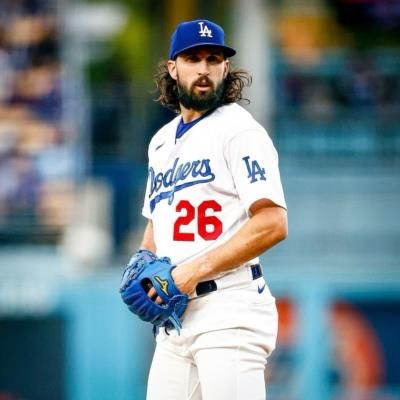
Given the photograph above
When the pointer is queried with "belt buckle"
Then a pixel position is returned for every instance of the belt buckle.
(256, 271)
(206, 287)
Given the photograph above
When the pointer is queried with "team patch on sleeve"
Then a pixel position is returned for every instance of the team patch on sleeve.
(254, 170)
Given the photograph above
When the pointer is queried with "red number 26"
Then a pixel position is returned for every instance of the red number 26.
(209, 227)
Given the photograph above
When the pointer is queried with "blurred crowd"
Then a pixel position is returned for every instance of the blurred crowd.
(35, 157)
(358, 84)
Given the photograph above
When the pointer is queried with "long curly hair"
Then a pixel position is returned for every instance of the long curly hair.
(234, 83)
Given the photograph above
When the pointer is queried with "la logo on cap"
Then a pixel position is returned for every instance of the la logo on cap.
(197, 33)
(205, 30)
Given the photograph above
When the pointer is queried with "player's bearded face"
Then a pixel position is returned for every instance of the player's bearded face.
(201, 100)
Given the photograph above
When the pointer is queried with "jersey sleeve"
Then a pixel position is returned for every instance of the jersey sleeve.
(146, 203)
(146, 211)
(253, 162)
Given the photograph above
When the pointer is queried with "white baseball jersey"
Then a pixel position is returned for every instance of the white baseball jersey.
(200, 187)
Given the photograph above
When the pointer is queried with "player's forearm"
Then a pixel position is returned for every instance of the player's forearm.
(148, 238)
(262, 231)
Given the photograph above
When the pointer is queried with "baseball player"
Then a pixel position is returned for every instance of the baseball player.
(214, 202)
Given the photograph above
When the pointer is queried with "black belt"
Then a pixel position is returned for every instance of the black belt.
(210, 286)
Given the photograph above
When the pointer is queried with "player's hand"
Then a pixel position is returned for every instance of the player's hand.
(152, 293)
(184, 278)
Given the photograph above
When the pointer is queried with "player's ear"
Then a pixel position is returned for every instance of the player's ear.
(226, 68)
(171, 64)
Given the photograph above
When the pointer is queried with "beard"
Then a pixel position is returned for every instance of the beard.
(202, 101)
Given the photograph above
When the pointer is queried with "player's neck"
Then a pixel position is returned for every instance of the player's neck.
(189, 115)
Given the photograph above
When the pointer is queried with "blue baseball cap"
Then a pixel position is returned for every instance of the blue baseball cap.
(196, 33)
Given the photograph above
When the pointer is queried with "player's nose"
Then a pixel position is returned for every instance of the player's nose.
(203, 67)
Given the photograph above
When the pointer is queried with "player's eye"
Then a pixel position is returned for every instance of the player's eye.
(191, 58)
(215, 58)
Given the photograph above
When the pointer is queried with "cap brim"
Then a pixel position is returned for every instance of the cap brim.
(228, 51)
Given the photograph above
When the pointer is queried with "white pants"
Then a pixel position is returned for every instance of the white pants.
(222, 349)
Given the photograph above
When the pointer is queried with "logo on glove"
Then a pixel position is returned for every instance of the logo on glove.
(163, 284)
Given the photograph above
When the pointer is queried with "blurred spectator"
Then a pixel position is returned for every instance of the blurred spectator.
(318, 101)
(26, 179)
(361, 83)
(55, 203)
(311, 96)
(55, 160)
(19, 189)
(6, 71)
(26, 36)
(38, 89)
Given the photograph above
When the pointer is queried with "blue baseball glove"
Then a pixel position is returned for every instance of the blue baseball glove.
(144, 271)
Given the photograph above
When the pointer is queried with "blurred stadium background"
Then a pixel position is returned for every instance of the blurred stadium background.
(77, 111)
